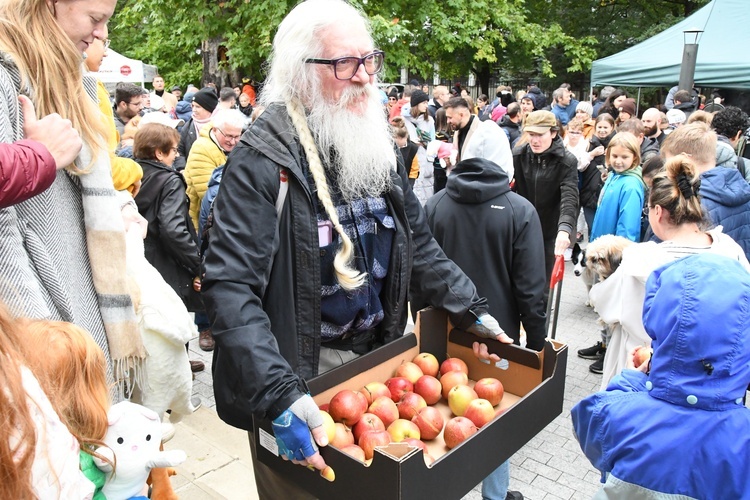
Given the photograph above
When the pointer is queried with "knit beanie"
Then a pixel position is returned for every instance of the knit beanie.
(586, 107)
(207, 99)
(628, 106)
(418, 96)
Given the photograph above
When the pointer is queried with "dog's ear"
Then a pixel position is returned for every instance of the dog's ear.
(615, 258)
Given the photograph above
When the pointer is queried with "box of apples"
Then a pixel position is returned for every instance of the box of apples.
(422, 417)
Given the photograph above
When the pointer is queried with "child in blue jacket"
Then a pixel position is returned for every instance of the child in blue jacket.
(621, 200)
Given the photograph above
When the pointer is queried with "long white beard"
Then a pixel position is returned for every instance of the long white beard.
(360, 140)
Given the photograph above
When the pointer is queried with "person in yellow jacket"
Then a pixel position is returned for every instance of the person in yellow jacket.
(209, 151)
(126, 174)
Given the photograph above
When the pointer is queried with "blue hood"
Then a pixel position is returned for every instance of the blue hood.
(720, 185)
(184, 110)
(697, 311)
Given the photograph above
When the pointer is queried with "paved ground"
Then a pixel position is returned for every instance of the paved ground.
(550, 467)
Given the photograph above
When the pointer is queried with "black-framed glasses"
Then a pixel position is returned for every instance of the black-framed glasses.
(344, 68)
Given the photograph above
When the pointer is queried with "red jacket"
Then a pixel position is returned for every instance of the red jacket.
(26, 169)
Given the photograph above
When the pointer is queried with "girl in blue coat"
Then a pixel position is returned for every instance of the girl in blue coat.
(621, 200)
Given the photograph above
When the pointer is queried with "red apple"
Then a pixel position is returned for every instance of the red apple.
(410, 404)
(368, 422)
(385, 408)
(415, 443)
(430, 422)
(453, 364)
(323, 407)
(342, 437)
(642, 355)
(328, 425)
(371, 439)
(347, 407)
(354, 451)
(490, 389)
(459, 398)
(451, 380)
(398, 387)
(480, 411)
(457, 430)
(374, 390)
(429, 388)
(401, 429)
(409, 371)
(427, 363)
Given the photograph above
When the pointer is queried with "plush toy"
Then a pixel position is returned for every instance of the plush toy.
(133, 440)
(441, 150)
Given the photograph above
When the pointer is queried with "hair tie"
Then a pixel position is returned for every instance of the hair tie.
(683, 183)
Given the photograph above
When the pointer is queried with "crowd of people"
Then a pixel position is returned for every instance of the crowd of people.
(300, 225)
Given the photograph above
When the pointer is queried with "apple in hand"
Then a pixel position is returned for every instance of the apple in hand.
(398, 387)
(430, 422)
(401, 429)
(490, 389)
(368, 422)
(342, 437)
(480, 411)
(429, 388)
(409, 371)
(347, 407)
(328, 425)
(385, 408)
(642, 355)
(451, 380)
(374, 390)
(427, 363)
(457, 430)
(410, 404)
(371, 439)
(459, 398)
(453, 364)
(354, 451)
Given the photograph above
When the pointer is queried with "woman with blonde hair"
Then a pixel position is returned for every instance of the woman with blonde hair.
(62, 253)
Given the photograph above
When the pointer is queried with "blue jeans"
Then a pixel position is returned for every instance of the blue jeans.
(495, 486)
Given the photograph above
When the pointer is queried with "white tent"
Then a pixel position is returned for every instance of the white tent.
(117, 68)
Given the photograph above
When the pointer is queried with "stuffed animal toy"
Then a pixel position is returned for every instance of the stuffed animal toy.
(133, 440)
(441, 150)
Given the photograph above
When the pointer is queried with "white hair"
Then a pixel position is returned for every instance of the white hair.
(230, 117)
(360, 139)
(297, 39)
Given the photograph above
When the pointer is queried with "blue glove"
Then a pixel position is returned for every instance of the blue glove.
(486, 327)
(292, 429)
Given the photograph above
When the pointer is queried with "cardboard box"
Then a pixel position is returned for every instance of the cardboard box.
(534, 386)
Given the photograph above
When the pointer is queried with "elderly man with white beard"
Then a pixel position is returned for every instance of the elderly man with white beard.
(317, 239)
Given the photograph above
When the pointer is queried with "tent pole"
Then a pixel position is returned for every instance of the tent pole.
(638, 102)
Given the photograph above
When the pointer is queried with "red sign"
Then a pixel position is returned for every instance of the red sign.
(125, 70)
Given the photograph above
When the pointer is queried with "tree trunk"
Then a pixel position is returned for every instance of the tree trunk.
(214, 63)
(483, 78)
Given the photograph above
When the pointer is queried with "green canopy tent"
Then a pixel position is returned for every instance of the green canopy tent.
(723, 52)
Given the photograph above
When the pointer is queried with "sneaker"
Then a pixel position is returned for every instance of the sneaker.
(167, 431)
(598, 365)
(513, 495)
(592, 352)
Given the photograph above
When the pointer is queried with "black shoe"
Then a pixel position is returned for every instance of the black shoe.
(598, 365)
(592, 352)
(513, 495)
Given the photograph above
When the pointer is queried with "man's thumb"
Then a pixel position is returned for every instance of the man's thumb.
(27, 108)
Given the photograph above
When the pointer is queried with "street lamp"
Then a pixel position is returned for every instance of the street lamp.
(689, 56)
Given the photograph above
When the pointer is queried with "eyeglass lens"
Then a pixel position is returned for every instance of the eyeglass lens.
(346, 67)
